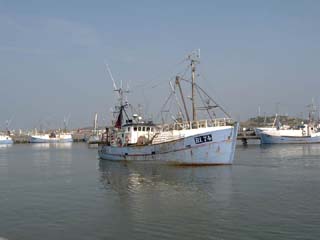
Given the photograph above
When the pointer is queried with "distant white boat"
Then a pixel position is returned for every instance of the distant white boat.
(59, 136)
(276, 122)
(5, 139)
(304, 134)
(51, 138)
(259, 130)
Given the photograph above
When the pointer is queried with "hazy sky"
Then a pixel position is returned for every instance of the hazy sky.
(253, 53)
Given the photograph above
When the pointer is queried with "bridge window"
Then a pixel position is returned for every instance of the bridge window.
(144, 129)
(135, 129)
(128, 129)
(148, 129)
(139, 128)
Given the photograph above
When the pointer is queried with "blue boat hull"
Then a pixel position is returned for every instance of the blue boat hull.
(7, 141)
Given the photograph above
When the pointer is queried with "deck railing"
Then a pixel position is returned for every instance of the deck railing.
(219, 122)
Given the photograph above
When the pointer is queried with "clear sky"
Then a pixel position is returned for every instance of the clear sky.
(253, 53)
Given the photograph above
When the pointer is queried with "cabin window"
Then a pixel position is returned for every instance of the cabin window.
(122, 135)
(128, 129)
(148, 129)
(135, 129)
(139, 128)
(144, 129)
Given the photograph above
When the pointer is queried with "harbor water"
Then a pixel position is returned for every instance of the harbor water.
(63, 191)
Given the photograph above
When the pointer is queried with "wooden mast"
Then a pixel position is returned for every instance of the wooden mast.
(182, 97)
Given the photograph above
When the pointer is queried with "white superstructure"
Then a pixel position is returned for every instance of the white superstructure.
(5, 139)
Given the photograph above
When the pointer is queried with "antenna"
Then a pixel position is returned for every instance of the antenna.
(110, 74)
(194, 55)
(172, 88)
(95, 122)
(8, 124)
(128, 87)
(66, 122)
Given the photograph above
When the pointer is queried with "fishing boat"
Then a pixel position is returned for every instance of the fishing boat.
(275, 126)
(185, 141)
(304, 133)
(5, 135)
(53, 137)
(56, 136)
(5, 139)
(258, 130)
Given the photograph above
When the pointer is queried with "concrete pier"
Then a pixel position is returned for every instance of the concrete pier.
(244, 136)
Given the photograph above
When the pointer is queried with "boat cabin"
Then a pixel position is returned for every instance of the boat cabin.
(137, 133)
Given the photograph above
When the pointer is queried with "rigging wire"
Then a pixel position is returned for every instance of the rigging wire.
(221, 108)
(204, 92)
(144, 84)
(216, 95)
(204, 104)
(163, 106)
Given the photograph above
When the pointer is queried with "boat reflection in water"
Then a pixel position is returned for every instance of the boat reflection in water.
(162, 201)
(53, 158)
(66, 145)
(292, 154)
(161, 182)
(5, 146)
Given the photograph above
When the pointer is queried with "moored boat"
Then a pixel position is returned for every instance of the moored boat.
(5, 139)
(304, 134)
(276, 125)
(259, 130)
(185, 141)
(52, 137)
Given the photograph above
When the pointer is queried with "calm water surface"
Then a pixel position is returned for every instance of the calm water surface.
(64, 192)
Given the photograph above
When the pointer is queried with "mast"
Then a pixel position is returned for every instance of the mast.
(193, 69)
(122, 102)
(95, 123)
(182, 97)
(194, 58)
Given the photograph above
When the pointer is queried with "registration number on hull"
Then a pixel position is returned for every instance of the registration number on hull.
(203, 139)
